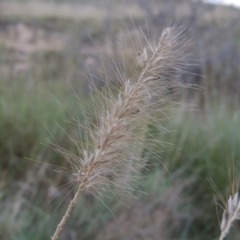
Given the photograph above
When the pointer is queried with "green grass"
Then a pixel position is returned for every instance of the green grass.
(206, 142)
(28, 112)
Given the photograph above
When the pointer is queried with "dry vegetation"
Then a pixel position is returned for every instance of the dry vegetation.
(44, 47)
(111, 141)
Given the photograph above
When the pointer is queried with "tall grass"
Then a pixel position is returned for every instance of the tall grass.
(29, 117)
(121, 119)
(203, 142)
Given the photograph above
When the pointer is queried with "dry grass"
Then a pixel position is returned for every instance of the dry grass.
(79, 11)
(230, 214)
(121, 120)
(231, 206)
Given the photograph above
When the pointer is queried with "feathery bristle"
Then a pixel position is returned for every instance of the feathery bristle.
(122, 118)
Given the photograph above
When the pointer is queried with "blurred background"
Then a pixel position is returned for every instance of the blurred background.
(47, 50)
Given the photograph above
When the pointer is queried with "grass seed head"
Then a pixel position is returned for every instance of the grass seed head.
(123, 118)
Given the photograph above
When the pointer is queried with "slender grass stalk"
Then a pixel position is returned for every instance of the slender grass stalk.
(121, 118)
(67, 214)
(231, 213)
(231, 206)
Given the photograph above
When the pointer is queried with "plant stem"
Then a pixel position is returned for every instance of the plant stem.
(67, 214)
(229, 223)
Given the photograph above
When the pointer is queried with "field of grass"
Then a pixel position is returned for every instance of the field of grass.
(46, 53)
